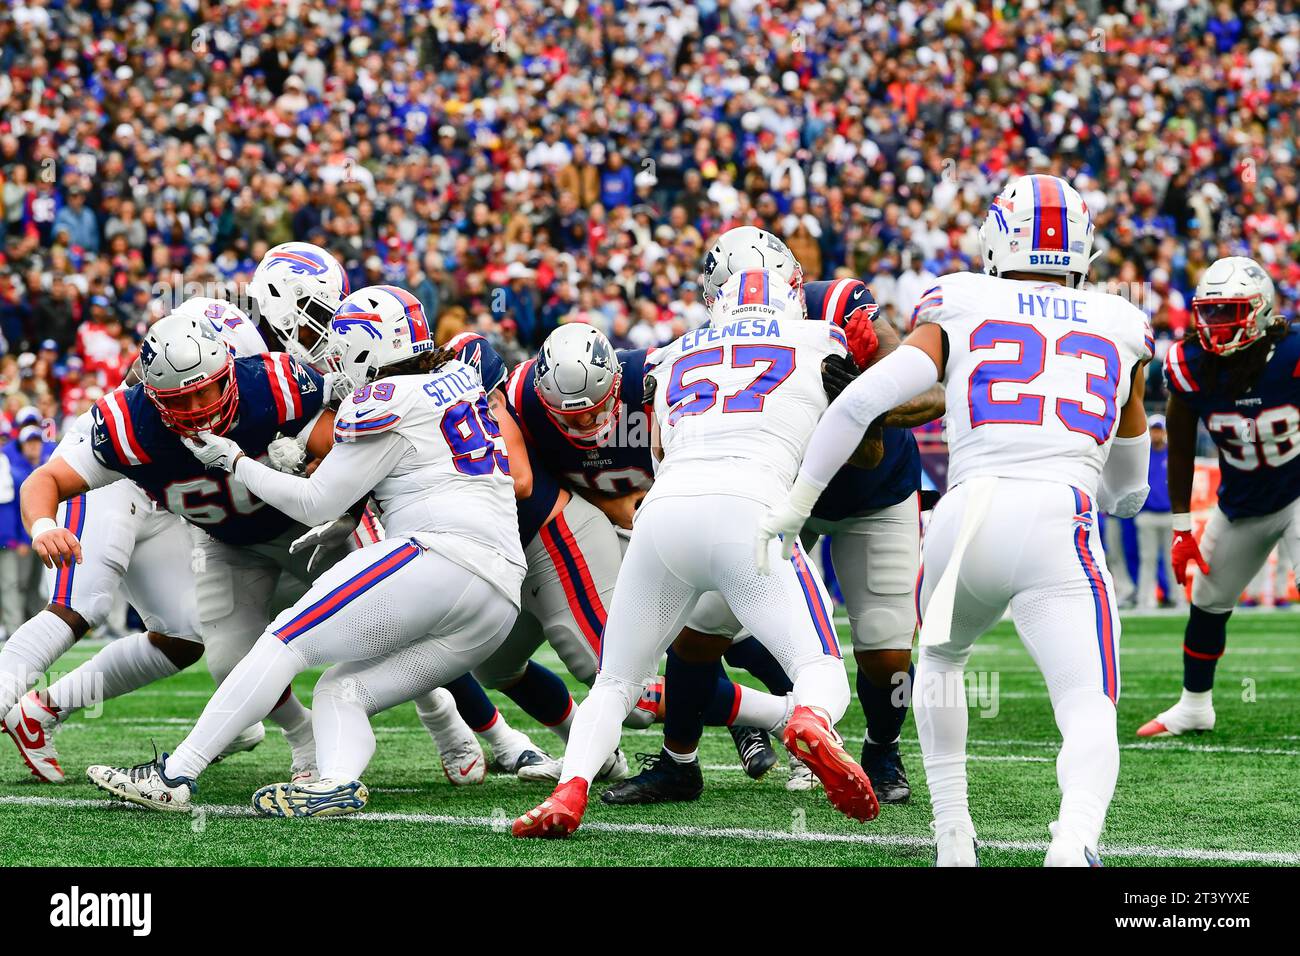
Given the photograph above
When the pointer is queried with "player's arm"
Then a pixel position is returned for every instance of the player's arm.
(521, 470)
(1124, 486)
(320, 439)
(927, 406)
(899, 377)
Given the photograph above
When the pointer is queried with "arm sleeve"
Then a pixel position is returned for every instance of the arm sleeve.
(345, 475)
(898, 377)
(81, 458)
(1124, 485)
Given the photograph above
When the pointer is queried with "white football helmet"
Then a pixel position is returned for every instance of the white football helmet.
(578, 378)
(374, 328)
(1233, 305)
(218, 313)
(297, 287)
(1038, 224)
(745, 248)
(756, 294)
(180, 358)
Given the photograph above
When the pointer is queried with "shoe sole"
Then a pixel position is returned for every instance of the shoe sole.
(847, 786)
(36, 771)
(124, 797)
(287, 800)
(1166, 732)
(554, 825)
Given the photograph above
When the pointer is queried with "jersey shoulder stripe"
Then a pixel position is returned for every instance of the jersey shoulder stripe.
(1178, 375)
(473, 349)
(116, 416)
(361, 427)
(283, 381)
(515, 391)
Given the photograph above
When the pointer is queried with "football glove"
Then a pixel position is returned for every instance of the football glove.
(785, 520)
(838, 373)
(861, 334)
(324, 538)
(1183, 552)
(214, 451)
(286, 454)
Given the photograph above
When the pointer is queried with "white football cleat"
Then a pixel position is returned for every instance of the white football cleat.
(955, 846)
(801, 777)
(518, 752)
(319, 798)
(303, 771)
(145, 785)
(1185, 717)
(612, 770)
(31, 725)
(248, 738)
(1066, 849)
(464, 764)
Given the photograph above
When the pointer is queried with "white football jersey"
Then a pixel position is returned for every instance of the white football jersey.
(228, 321)
(1036, 375)
(451, 489)
(736, 403)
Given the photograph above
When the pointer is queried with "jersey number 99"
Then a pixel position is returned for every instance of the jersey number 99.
(474, 438)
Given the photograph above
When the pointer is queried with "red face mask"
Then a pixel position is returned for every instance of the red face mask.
(1225, 325)
(215, 416)
(599, 431)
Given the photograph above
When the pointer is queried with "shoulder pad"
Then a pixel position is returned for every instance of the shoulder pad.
(113, 433)
(372, 410)
(1178, 374)
(473, 349)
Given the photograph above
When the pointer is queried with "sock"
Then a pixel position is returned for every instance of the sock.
(939, 702)
(1088, 764)
(474, 705)
(750, 655)
(692, 690)
(597, 726)
(683, 759)
(884, 715)
(340, 717)
(28, 654)
(757, 709)
(823, 684)
(1203, 642)
(437, 711)
(246, 696)
(121, 667)
(542, 696)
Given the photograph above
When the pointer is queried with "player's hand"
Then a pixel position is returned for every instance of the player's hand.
(1184, 551)
(324, 538)
(56, 547)
(783, 521)
(337, 387)
(622, 510)
(861, 334)
(838, 373)
(286, 454)
(214, 451)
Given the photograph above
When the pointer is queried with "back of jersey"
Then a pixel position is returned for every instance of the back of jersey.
(453, 478)
(1036, 375)
(737, 400)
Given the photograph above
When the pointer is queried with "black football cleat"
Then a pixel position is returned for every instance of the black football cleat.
(884, 767)
(661, 780)
(755, 749)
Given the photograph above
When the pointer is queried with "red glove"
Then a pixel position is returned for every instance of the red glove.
(1182, 552)
(862, 337)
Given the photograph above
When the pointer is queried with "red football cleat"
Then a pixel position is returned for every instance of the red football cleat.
(811, 738)
(558, 815)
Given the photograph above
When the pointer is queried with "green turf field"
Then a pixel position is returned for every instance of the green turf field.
(1221, 799)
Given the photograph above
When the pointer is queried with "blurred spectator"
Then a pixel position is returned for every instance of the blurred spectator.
(22, 592)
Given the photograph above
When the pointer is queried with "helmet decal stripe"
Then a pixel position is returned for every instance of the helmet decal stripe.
(415, 317)
(753, 289)
(1049, 214)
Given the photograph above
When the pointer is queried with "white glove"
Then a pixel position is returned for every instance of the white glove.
(215, 451)
(337, 387)
(286, 454)
(324, 538)
(785, 520)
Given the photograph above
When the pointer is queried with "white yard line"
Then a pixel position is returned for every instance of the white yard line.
(724, 833)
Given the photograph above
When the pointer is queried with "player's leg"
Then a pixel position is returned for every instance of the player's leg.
(939, 701)
(463, 761)
(790, 612)
(650, 605)
(458, 628)
(877, 558)
(1235, 551)
(1068, 619)
(512, 750)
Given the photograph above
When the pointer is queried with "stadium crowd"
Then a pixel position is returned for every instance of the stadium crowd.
(521, 165)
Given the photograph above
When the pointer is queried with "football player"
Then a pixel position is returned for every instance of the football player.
(1239, 373)
(732, 406)
(128, 546)
(584, 411)
(191, 384)
(1044, 402)
(397, 618)
(872, 516)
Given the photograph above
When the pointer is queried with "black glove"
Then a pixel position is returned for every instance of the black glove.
(838, 373)
(648, 390)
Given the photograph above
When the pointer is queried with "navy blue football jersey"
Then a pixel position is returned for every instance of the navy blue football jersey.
(472, 348)
(856, 490)
(620, 466)
(1257, 433)
(276, 394)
